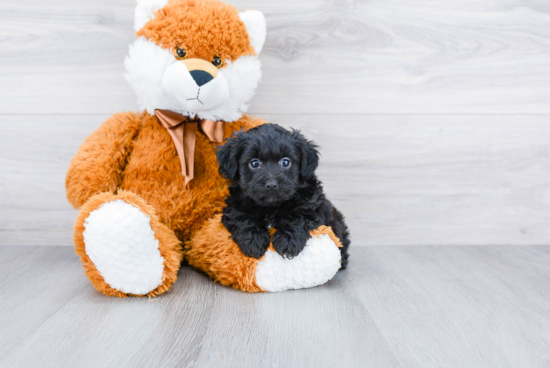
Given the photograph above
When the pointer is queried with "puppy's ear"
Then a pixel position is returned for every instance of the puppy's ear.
(309, 155)
(229, 154)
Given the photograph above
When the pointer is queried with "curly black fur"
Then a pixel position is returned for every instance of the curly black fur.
(289, 199)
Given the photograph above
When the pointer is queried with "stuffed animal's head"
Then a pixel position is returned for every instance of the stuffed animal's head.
(196, 57)
(269, 163)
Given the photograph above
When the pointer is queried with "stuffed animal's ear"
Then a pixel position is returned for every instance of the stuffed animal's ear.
(145, 11)
(256, 28)
(228, 157)
(309, 155)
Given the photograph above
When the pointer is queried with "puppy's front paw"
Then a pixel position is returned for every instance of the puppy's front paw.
(253, 245)
(289, 244)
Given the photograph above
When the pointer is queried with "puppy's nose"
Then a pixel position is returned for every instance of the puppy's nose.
(272, 184)
(201, 77)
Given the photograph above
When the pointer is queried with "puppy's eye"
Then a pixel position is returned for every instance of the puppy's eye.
(181, 53)
(254, 164)
(217, 61)
(285, 162)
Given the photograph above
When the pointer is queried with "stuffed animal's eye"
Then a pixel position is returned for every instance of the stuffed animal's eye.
(181, 53)
(218, 62)
(254, 164)
(285, 162)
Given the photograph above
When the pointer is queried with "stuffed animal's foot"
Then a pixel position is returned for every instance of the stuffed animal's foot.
(317, 263)
(213, 251)
(124, 248)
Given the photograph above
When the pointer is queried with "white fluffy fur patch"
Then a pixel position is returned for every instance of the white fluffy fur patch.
(178, 83)
(147, 64)
(120, 242)
(315, 265)
(256, 27)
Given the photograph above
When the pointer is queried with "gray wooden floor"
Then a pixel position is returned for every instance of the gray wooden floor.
(394, 307)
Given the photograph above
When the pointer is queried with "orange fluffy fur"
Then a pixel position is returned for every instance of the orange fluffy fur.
(204, 28)
(131, 156)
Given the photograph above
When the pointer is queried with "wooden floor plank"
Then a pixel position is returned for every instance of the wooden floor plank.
(393, 307)
(34, 285)
(459, 306)
(305, 328)
(97, 331)
(325, 56)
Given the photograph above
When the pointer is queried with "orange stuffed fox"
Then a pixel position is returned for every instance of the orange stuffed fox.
(147, 184)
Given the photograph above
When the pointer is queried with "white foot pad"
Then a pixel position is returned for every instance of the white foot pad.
(120, 242)
(315, 265)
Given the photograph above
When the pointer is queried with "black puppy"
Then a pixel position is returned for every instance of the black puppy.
(274, 185)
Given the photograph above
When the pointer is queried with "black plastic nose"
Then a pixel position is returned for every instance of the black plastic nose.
(272, 184)
(201, 77)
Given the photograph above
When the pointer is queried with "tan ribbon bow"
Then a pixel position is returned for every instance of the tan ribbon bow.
(184, 132)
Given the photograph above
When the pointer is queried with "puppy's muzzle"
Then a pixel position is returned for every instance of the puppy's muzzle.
(271, 184)
(202, 71)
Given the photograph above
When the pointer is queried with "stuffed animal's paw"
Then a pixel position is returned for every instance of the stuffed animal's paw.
(212, 250)
(124, 248)
(122, 245)
(317, 263)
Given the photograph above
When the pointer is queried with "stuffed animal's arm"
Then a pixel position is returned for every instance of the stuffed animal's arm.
(99, 163)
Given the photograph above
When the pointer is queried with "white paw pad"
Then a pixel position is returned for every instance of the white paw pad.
(120, 242)
(316, 264)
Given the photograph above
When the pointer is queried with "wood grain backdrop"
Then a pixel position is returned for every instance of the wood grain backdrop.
(433, 116)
